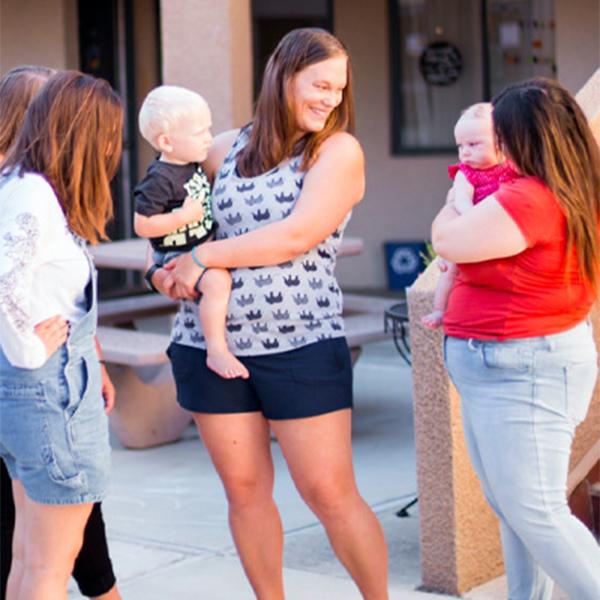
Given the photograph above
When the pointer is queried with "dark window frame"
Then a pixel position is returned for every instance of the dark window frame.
(397, 147)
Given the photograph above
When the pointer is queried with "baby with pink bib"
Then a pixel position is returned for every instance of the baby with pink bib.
(481, 171)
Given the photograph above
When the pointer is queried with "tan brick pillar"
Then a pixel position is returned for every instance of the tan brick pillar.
(586, 447)
(460, 545)
(206, 46)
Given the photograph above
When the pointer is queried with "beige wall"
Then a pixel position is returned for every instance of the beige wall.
(34, 32)
(577, 41)
(207, 46)
(404, 193)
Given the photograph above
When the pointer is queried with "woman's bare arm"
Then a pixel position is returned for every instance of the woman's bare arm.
(484, 232)
(332, 186)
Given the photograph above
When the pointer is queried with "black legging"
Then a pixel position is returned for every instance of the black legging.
(92, 570)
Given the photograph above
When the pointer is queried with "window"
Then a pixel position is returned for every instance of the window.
(520, 41)
(119, 41)
(448, 55)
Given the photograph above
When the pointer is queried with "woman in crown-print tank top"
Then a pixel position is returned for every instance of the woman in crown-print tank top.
(283, 191)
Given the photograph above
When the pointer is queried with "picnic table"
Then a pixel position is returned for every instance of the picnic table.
(131, 254)
(146, 412)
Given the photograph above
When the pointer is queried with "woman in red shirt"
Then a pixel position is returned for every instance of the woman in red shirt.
(518, 344)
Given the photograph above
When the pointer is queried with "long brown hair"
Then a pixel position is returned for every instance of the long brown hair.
(545, 133)
(274, 124)
(17, 88)
(72, 136)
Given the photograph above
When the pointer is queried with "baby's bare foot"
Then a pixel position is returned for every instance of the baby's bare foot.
(226, 365)
(433, 320)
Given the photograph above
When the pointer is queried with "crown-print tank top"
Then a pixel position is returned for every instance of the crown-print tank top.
(276, 308)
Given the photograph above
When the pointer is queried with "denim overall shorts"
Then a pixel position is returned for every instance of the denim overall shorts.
(53, 428)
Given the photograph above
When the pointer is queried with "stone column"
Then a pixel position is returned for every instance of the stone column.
(460, 546)
(586, 446)
(207, 47)
(459, 534)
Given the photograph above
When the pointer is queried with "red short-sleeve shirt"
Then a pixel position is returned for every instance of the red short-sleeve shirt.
(529, 294)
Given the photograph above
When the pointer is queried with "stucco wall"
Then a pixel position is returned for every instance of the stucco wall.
(588, 433)
(34, 32)
(577, 41)
(460, 547)
(206, 46)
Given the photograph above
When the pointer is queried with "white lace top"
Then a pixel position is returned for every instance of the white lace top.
(43, 267)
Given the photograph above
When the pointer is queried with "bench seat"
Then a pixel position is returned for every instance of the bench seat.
(143, 348)
(131, 347)
(124, 310)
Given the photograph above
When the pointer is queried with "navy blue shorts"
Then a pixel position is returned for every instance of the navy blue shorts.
(305, 382)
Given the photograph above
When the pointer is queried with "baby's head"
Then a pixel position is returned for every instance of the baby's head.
(176, 122)
(475, 137)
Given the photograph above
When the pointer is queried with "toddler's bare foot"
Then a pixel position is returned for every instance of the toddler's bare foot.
(433, 320)
(226, 365)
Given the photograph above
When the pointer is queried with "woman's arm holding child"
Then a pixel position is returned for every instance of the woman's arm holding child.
(485, 232)
(332, 186)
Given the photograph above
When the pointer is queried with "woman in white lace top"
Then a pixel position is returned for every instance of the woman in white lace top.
(54, 196)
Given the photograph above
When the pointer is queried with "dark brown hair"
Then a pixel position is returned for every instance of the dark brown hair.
(72, 136)
(274, 124)
(17, 88)
(545, 133)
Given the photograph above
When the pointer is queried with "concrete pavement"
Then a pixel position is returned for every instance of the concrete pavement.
(167, 522)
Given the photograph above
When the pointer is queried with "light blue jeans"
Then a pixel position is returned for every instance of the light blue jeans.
(521, 401)
(53, 427)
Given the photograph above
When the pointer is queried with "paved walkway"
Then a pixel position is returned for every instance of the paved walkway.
(167, 522)
(166, 512)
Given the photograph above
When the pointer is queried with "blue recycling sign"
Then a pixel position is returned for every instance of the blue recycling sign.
(404, 262)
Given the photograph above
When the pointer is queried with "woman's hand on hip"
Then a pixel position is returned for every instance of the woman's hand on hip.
(108, 389)
(53, 332)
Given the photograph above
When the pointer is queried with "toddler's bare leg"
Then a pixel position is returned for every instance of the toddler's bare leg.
(215, 286)
(434, 319)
